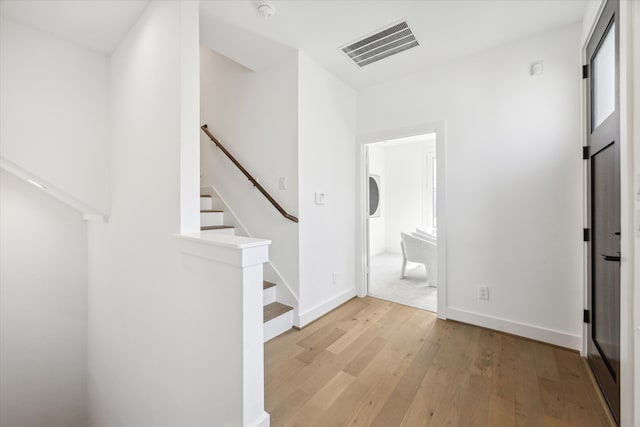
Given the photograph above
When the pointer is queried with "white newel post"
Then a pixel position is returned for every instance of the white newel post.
(234, 264)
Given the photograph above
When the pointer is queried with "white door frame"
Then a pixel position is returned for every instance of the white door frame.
(362, 230)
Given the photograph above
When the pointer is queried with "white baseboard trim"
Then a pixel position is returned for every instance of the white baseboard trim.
(561, 339)
(263, 421)
(325, 307)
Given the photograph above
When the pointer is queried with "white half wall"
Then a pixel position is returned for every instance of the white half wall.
(514, 192)
(327, 133)
(43, 309)
(54, 112)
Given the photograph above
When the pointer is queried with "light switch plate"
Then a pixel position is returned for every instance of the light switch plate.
(282, 183)
(320, 198)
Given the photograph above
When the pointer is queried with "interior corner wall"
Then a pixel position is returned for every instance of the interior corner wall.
(155, 322)
(378, 225)
(54, 112)
(43, 309)
(514, 188)
(406, 190)
(327, 157)
(255, 115)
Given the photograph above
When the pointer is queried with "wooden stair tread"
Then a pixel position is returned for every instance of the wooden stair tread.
(273, 310)
(205, 195)
(267, 285)
(215, 227)
(210, 210)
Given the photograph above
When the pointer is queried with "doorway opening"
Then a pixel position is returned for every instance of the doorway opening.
(402, 220)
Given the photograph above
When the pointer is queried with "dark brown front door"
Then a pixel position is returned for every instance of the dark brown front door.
(603, 140)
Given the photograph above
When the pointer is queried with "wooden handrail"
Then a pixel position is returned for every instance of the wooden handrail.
(256, 184)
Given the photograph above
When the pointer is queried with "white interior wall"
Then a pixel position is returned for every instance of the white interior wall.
(591, 13)
(254, 114)
(513, 179)
(378, 225)
(43, 309)
(189, 117)
(54, 112)
(406, 199)
(156, 316)
(327, 122)
(247, 48)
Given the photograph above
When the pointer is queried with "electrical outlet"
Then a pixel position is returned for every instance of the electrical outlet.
(483, 292)
(536, 68)
(334, 278)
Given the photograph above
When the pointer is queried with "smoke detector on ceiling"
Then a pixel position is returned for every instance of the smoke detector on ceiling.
(266, 9)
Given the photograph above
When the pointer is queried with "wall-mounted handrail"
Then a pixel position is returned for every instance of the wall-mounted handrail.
(256, 184)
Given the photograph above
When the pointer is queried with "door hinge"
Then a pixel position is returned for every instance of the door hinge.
(585, 71)
(586, 316)
(586, 235)
(585, 152)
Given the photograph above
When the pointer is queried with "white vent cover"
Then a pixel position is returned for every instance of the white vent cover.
(385, 43)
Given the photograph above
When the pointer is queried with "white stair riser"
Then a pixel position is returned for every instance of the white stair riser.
(269, 295)
(211, 218)
(221, 231)
(206, 203)
(278, 325)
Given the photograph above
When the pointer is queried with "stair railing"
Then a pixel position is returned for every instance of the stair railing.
(255, 183)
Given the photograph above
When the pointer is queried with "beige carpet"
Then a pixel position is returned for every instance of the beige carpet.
(413, 290)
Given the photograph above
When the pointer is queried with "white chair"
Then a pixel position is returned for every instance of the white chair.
(429, 232)
(416, 248)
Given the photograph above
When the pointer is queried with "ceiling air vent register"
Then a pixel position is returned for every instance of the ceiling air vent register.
(383, 44)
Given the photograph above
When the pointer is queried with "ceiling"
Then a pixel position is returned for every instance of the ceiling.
(446, 29)
(98, 25)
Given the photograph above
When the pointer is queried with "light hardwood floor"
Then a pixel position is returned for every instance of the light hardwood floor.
(372, 362)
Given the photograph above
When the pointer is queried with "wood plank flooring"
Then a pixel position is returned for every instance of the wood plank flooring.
(376, 363)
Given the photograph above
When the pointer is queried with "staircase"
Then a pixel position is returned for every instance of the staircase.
(277, 317)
